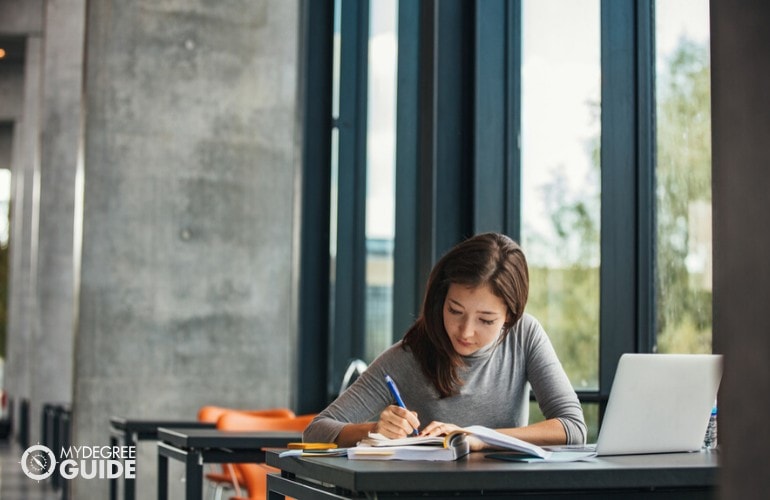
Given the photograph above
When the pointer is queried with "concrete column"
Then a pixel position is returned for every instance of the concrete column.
(23, 240)
(187, 209)
(52, 354)
(20, 81)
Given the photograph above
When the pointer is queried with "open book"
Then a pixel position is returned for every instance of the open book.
(450, 447)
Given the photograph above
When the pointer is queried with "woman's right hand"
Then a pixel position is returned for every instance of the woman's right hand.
(396, 422)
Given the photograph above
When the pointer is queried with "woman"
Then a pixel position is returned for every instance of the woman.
(470, 358)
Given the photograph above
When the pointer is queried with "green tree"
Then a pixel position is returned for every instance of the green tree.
(683, 284)
(565, 297)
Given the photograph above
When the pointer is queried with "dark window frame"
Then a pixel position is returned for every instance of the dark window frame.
(458, 127)
(348, 306)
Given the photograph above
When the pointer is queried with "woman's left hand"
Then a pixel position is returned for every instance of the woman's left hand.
(441, 429)
(438, 429)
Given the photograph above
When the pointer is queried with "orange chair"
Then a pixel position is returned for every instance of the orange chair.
(211, 413)
(255, 474)
(227, 475)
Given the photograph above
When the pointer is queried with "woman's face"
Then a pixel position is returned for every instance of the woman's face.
(473, 317)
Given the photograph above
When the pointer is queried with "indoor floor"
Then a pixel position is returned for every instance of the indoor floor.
(14, 485)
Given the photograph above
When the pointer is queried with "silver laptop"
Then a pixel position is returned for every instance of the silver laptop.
(659, 403)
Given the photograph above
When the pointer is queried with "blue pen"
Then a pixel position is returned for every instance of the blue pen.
(397, 396)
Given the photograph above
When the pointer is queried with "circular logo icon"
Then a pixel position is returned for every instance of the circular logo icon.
(38, 462)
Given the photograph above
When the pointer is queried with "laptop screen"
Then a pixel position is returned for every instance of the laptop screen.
(659, 403)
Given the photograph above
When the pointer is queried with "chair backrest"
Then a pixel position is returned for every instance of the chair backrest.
(242, 421)
(254, 475)
(354, 370)
(211, 413)
(228, 473)
(255, 479)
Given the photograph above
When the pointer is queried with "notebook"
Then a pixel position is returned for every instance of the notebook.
(659, 403)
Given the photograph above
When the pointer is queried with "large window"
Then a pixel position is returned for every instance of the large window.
(683, 173)
(579, 127)
(560, 207)
(561, 182)
(361, 183)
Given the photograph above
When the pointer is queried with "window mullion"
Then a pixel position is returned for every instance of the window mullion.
(349, 280)
(619, 234)
(645, 63)
(312, 314)
(490, 117)
(407, 279)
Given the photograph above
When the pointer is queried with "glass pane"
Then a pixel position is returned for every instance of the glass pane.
(380, 175)
(683, 176)
(561, 84)
(590, 413)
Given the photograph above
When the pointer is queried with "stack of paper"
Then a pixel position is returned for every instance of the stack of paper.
(449, 447)
(378, 447)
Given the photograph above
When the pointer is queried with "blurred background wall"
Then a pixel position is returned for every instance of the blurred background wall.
(154, 173)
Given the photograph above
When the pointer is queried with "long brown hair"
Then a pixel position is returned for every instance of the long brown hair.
(485, 259)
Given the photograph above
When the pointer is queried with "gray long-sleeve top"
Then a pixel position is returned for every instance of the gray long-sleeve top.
(495, 392)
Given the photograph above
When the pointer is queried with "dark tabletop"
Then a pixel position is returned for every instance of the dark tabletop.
(233, 440)
(476, 472)
(150, 425)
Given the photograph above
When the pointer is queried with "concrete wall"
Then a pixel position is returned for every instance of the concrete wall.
(154, 174)
(21, 17)
(25, 158)
(11, 88)
(53, 327)
(187, 210)
(6, 143)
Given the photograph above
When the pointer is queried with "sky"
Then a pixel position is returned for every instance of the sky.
(560, 77)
